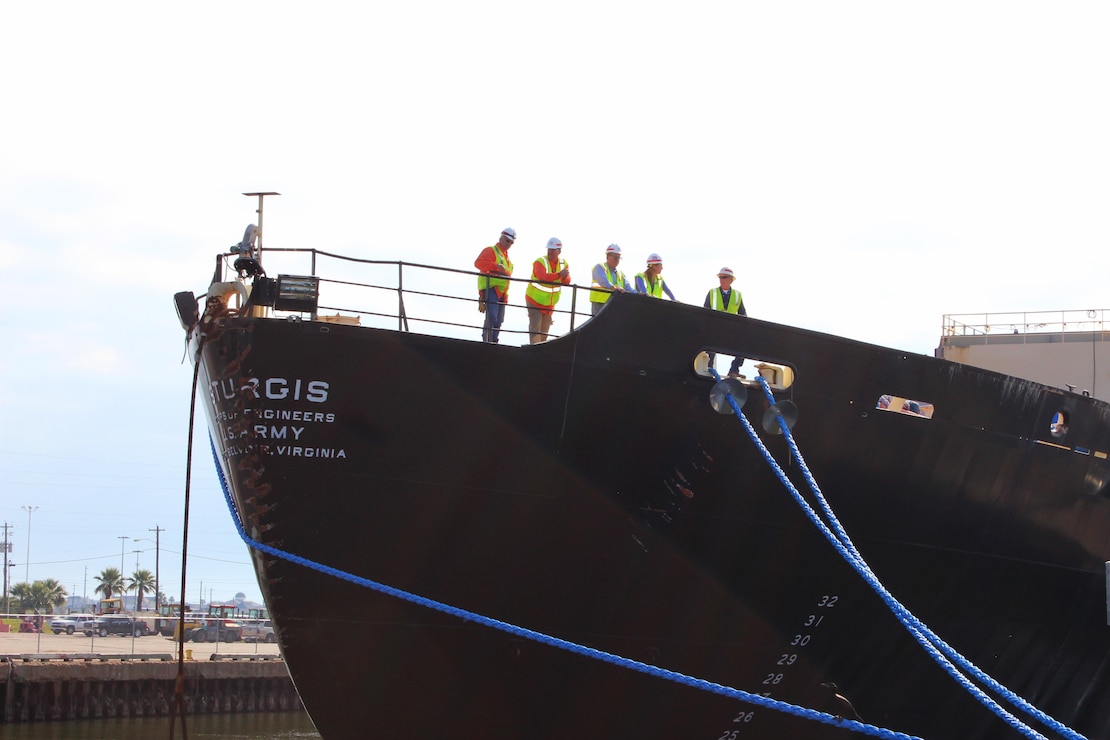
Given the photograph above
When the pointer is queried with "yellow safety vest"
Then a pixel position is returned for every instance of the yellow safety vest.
(494, 281)
(655, 291)
(616, 278)
(717, 301)
(546, 294)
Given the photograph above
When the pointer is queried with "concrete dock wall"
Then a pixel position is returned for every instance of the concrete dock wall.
(45, 688)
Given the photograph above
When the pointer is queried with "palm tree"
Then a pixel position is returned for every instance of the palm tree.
(40, 595)
(142, 582)
(48, 594)
(111, 582)
(23, 592)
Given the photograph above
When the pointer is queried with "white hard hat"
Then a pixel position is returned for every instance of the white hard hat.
(613, 249)
(509, 233)
(725, 272)
(554, 243)
(654, 259)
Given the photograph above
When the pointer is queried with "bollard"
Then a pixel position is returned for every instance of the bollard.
(188, 655)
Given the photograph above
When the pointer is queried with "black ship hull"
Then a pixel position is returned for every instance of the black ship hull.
(586, 489)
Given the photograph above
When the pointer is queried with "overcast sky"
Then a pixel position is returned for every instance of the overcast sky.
(864, 167)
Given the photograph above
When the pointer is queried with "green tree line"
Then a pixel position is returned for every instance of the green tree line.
(48, 594)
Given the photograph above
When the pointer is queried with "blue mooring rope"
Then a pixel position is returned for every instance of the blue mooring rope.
(934, 646)
(549, 640)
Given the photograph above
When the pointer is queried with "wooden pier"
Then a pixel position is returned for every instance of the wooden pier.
(53, 687)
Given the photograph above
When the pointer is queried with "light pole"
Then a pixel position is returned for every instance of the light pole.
(27, 565)
(7, 579)
(157, 552)
(136, 573)
(122, 539)
(7, 563)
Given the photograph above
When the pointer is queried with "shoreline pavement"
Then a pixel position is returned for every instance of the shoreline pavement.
(15, 644)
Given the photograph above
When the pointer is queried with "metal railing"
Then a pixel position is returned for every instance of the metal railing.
(1025, 323)
(400, 295)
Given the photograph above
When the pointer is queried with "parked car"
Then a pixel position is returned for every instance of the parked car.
(116, 624)
(70, 623)
(258, 631)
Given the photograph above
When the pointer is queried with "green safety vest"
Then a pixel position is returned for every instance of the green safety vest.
(497, 281)
(546, 294)
(717, 301)
(655, 291)
(616, 278)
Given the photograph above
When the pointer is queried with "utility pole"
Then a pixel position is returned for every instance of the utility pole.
(157, 552)
(7, 549)
(27, 566)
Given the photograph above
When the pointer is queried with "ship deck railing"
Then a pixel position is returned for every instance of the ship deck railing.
(408, 296)
(1026, 327)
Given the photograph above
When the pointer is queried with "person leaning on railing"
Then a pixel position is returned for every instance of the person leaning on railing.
(606, 275)
(493, 284)
(650, 282)
(549, 274)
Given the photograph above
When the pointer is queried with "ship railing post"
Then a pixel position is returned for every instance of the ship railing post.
(402, 320)
(316, 310)
(573, 305)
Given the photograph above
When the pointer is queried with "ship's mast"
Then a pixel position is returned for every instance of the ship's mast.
(261, 197)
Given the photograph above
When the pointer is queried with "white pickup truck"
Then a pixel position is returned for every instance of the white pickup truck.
(70, 623)
(258, 630)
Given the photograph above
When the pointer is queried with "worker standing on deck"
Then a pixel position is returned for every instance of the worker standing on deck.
(607, 276)
(549, 274)
(724, 298)
(493, 284)
(650, 281)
